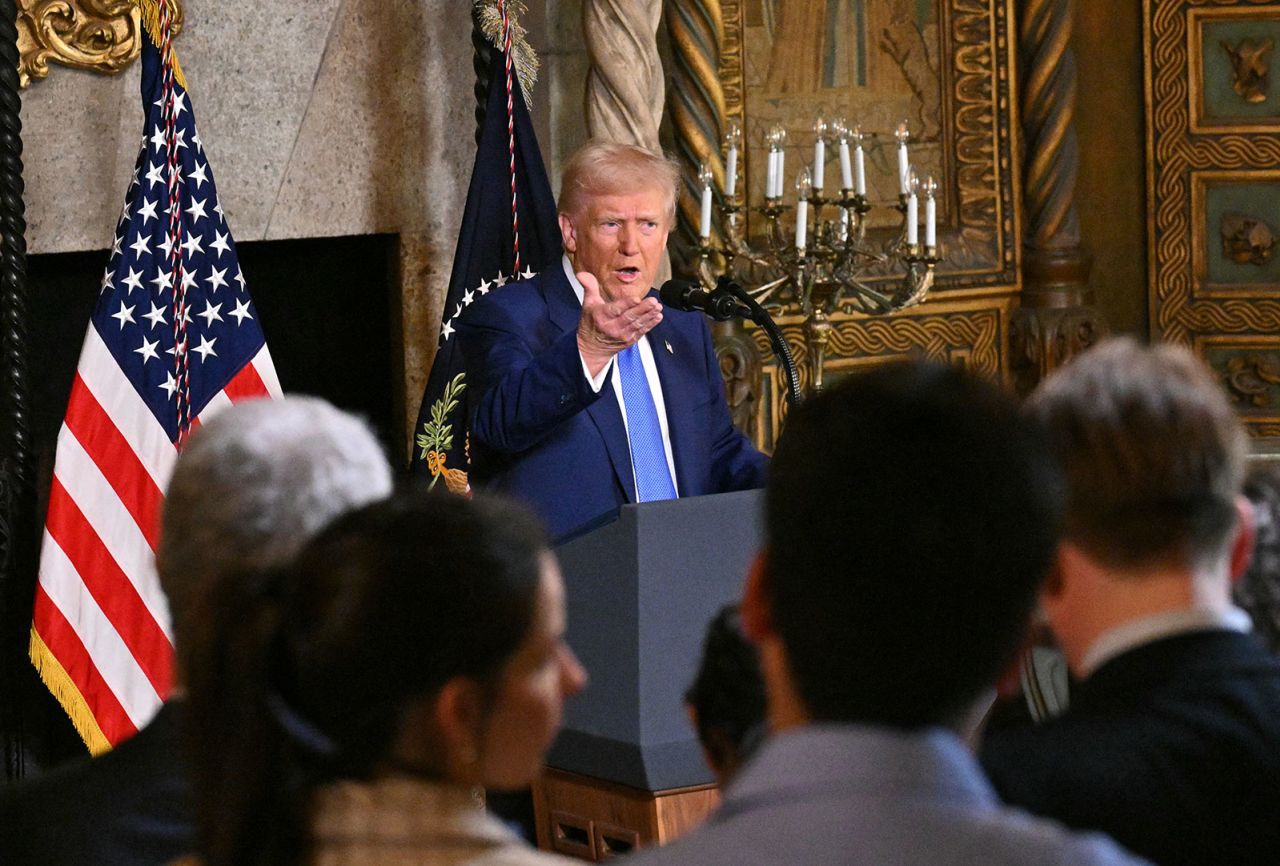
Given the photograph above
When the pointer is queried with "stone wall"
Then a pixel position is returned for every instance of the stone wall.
(321, 118)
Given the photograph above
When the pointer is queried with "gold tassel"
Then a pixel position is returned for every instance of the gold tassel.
(73, 703)
(151, 21)
(523, 58)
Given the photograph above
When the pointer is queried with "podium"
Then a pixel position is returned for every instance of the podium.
(627, 769)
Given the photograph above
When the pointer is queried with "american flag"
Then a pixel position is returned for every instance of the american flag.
(174, 338)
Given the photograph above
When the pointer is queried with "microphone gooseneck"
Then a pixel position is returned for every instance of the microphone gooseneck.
(728, 300)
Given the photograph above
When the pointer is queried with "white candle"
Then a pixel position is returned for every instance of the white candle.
(732, 138)
(846, 172)
(904, 162)
(782, 173)
(771, 176)
(819, 164)
(804, 189)
(913, 215)
(860, 168)
(704, 223)
(930, 221)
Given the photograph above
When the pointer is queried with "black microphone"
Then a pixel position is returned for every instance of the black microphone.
(683, 295)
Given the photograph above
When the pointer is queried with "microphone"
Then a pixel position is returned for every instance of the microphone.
(683, 295)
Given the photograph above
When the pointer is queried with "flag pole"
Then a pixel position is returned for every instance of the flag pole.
(481, 59)
(17, 502)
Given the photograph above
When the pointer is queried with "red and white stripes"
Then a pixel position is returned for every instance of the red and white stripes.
(101, 632)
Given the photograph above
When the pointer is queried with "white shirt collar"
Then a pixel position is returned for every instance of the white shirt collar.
(573, 277)
(1137, 632)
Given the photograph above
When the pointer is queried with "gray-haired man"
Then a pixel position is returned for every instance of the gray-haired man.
(252, 486)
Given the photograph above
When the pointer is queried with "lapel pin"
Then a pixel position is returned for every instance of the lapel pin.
(667, 343)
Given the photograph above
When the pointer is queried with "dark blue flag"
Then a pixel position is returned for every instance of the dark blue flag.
(485, 259)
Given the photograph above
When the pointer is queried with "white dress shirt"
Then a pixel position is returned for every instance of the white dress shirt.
(650, 373)
(1133, 634)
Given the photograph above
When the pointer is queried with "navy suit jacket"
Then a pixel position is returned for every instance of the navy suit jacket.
(1172, 748)
(539, 433)
(129, 807)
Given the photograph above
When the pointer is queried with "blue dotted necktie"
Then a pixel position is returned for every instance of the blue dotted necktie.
(648, 457)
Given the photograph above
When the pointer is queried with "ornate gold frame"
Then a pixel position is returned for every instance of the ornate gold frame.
(1231, 327)
(98, 35)
(1196, 18)
(980, 241)
(967, 318)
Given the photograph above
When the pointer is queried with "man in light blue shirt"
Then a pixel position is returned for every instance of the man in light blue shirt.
(893, 591)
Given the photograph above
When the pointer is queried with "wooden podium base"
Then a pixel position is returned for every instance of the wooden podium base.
(593, 820)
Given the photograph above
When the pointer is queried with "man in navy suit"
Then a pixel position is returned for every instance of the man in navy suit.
(585, 394)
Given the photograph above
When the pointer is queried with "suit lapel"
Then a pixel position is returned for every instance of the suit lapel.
(564, 311)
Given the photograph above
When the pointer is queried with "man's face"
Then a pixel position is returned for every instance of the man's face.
(620, 239)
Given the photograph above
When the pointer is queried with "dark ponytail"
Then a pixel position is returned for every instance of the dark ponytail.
(301, 674)
(250, 790)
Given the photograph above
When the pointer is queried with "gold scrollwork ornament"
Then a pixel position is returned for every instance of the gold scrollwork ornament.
(1246, 239)
(98, 35)
(1250, 67)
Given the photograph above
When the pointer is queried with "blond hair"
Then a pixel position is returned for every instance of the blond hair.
(606, 167)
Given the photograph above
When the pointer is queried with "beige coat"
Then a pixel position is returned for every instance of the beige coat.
(411, 822)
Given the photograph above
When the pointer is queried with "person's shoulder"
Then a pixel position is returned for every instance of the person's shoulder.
(1009, 835)
(518, 855)
(513, 300)
(1059, 759)
(62, 785)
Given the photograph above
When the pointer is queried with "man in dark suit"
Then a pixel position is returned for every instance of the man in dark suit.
(586, 394)
(1171, 743)
(251, 487)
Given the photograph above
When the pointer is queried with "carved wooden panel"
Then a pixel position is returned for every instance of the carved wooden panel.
(973, 333)
(1213, 186)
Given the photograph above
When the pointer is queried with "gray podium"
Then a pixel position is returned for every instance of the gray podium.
(640, 592)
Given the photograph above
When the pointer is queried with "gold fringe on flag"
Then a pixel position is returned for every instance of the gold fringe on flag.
(59, 683)
(522, 55)
(151, 21)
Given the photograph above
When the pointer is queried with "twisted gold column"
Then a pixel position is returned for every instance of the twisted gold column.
(1057, 318)
(696, 101)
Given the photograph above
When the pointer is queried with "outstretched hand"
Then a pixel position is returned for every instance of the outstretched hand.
(608, 327)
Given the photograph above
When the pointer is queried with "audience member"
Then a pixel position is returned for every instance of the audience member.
(251, 486)
(1258, 590)
(891, 595)
(726, 699)
(1171, 743)
(348, 710)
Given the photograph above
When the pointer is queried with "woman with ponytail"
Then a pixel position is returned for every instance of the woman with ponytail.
(351, 708)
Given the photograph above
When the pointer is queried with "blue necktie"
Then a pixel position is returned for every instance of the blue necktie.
(648, 457)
